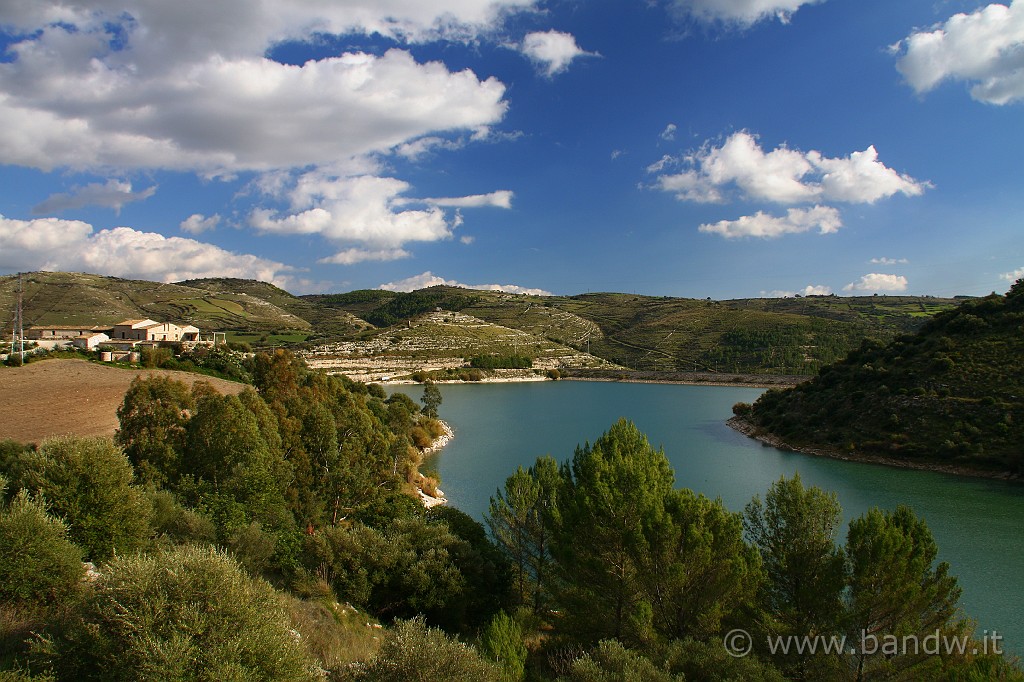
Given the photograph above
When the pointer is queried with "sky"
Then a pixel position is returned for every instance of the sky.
(697, 148)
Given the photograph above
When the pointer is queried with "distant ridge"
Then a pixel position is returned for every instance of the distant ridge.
(782, 336)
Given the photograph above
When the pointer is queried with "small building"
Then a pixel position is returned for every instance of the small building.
(150, 330)
(90, 341)
(62, 332)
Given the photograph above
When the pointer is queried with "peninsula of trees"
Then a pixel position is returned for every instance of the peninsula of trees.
(950, 395)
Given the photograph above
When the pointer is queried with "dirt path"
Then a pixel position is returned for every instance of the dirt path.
(56, 397)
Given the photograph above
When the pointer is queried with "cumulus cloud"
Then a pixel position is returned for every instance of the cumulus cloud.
(782, 175)
(741, 12)
(984, 48)
(197, 223)
(669, 133)
(367, 212)
(889, 261)
(1013, 276)
(429, 279)
(82, 109)
(55, 244)
(809, 290)
(112, 194)
(552, 51)
(824, 219)
(877, 282)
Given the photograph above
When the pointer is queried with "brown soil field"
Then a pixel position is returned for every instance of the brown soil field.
(58, 397)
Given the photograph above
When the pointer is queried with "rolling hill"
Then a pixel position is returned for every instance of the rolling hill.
(950, 394)
(794, 336)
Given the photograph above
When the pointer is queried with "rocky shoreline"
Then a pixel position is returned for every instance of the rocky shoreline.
(751, 431)
(437, 444)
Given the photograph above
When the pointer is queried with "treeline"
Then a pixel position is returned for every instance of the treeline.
(496, 361)
(630, 578)
(952, 393)
(385, 308)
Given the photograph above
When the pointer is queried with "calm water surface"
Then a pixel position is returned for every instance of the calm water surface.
(501, 426)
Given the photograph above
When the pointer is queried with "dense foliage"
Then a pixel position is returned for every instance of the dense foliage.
(952, 393)
(269, 535)
(511, 361)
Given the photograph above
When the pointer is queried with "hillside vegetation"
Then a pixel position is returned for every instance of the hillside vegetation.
(794, 336)
(952, 393)
(772, 336)
(66, 298)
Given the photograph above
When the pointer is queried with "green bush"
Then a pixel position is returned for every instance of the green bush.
(186, 614)
(37, 561)
(413, 652)
(88, 483)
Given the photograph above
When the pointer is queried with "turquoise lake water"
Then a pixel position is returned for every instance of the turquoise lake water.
(976, 522)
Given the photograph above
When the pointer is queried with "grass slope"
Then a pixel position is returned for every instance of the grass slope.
(78, 298)
(953, 393)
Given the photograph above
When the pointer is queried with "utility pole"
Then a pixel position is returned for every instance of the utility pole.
(21, 321)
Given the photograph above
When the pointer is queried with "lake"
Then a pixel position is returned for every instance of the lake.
(498, 427)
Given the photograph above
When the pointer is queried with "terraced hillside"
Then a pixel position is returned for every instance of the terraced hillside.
(777, 336)
(440, 341)
(78, 298)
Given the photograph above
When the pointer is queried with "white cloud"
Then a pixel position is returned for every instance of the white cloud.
(369, 213)
(984, 48)
(669, 133)
(552, 51)
(825, 219)
(783, 175)
(878, 282)
(809, 290)
(71, 245)
(354, 255)
(428, 279)
(500, 199)
(741, 12)
(889, 261)
(220, 115)
(112, 194)
(197, 223)
(467, 239)
(1013, 276)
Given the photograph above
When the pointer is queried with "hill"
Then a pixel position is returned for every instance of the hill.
(952, 394)
(79, 298)
(788, 336)
(775, 336)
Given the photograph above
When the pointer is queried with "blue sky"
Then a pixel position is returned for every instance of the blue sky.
(722, 148)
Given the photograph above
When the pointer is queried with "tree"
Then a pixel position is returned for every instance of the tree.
(614, 497)
(795, 530)
(502, 642)
(153, 417)
(87, 482)
(522, 519)
(188, 613)
(897, 590)
(699, 571)
(431, 399)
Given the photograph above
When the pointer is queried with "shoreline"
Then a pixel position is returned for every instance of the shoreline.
(770, 440)
(436, 445)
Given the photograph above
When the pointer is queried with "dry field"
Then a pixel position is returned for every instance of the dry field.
(56, 397)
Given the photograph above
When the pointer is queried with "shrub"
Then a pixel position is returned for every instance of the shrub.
(414, 652)
(37, 561)
(88, 483)
(188, 613)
